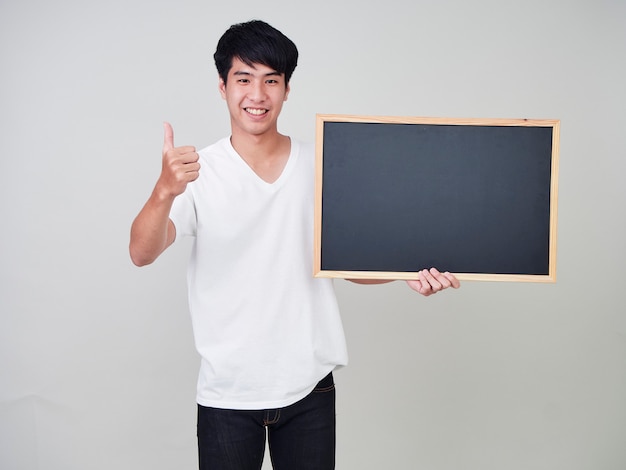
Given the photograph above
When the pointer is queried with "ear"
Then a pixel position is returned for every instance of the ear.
(287, 90)
(222, 87)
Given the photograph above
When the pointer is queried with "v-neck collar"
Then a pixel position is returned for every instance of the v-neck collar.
(251, 174)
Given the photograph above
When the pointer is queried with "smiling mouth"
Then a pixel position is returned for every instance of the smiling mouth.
(256, 111)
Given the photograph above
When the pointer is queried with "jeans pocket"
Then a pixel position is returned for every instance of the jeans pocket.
(327, 384)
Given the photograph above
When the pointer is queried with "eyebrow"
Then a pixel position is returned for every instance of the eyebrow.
(246, 73)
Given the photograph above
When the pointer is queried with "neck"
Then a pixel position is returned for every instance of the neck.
(258, 148)
(266, 154)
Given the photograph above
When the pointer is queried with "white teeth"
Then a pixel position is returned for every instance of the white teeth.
(256, 112)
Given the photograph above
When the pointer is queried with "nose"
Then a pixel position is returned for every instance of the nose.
(257, 91)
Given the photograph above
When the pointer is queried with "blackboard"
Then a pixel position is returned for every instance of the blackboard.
(476, 197)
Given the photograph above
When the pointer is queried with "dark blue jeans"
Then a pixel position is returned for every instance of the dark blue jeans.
(300, 436)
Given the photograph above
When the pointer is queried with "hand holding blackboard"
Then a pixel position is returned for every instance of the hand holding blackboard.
(428, 282)
(376, 219)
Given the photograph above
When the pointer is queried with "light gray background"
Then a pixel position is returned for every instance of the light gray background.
(97, 365)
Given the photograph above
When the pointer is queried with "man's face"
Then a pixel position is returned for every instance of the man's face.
(255, 96)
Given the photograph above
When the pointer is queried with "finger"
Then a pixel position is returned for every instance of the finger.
(443, 280)
(187, 154)
(454, 282)
(434, 283)
(420, 286)
(192, 176)
(414, 284)
(192, 168)
(168, 140)
(426, 288)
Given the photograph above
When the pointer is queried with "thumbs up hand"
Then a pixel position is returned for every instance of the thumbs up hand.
(180, 165)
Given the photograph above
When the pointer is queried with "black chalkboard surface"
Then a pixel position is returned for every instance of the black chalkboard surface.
(474, 197)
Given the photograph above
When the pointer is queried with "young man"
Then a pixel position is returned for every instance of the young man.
(268, 333)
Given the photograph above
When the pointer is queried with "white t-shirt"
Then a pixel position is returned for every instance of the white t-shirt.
(267, 330)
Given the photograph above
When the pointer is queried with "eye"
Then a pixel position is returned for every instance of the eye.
(243, 80)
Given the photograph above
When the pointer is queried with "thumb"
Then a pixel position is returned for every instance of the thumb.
(168, 141)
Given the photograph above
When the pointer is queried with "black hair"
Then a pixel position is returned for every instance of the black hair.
(256, 42)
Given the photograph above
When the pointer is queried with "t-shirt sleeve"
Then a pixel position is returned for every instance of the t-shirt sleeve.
(183, 215)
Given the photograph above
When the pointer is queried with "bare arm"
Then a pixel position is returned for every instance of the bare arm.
(152, 230)
(370, 281)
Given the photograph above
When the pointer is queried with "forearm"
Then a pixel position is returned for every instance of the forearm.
(370, 281)
(151, 232)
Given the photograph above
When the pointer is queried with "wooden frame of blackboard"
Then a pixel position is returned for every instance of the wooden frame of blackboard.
(475, 134)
